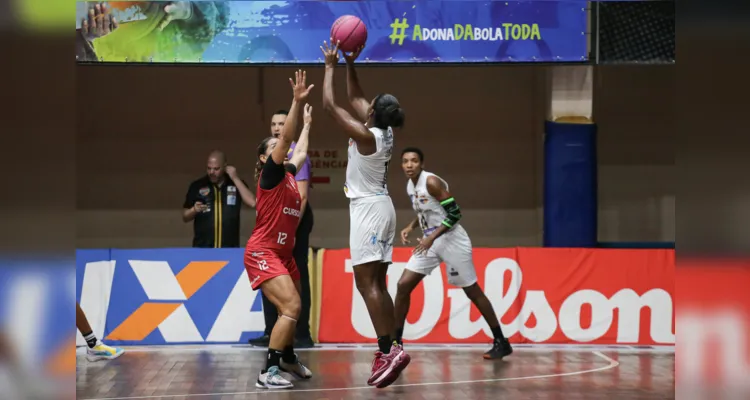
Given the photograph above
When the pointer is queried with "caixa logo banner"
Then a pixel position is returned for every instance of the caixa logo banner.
(168, 296)
(432, 31)
(542, 296)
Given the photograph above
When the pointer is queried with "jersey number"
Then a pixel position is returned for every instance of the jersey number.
(282, 238)
(422, 222)
(262, 265)
(385, 175)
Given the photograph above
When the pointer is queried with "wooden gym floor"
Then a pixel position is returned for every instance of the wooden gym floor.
(341, 372)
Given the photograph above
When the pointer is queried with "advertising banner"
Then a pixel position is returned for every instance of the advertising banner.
(570, 296)
(203, 296)
(713, 316)
(170, 296)
(426, 31)
(36, 315)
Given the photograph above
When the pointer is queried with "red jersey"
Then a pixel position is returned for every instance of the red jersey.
(278, 214)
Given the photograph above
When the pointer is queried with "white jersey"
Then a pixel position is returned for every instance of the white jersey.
(366, 175)
(429, 211)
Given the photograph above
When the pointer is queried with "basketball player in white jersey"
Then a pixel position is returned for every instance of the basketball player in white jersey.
(372, 215)
(444, 240)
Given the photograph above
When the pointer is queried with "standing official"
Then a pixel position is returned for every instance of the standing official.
(303, 339)
(213, 203)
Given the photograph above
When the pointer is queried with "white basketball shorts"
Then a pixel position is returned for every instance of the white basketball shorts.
(453, 248)
(372, 228)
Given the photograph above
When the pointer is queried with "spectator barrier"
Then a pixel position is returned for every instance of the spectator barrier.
(543, 295)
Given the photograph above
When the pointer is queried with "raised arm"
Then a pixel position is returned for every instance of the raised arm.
(301, 91)
(354, 91)
(300, 150)
(354, 129)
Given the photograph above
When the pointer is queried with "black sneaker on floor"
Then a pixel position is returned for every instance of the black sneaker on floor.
(304, 343)
(261, 341)
(500, 349)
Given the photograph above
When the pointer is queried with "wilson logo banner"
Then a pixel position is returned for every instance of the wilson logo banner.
(541, 296)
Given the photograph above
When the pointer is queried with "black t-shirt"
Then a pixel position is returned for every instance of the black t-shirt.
(220, 225)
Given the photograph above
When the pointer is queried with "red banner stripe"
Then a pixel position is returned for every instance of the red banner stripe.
(541, 296)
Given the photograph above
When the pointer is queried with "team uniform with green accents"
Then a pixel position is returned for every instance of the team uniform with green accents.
(453, 247)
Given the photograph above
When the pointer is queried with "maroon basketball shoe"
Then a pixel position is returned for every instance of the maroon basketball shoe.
(379, 365)
(397, 360)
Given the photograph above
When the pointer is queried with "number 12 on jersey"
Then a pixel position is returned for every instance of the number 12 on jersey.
(282, 238)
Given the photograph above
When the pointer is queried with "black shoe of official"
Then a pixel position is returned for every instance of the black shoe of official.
(500, 348)
(304, 343)
(261, 341)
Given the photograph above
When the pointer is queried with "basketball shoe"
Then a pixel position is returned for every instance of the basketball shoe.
(272, 379)
(500, 348)
(296, 368)
(387, 368)
(103, 352)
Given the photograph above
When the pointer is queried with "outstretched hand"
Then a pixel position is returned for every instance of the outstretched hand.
(353, 55)
(299, 86)
(331, 54)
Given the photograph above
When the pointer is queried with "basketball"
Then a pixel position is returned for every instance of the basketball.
(350, 32)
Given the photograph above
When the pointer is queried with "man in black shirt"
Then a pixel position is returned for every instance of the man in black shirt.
(213, 203)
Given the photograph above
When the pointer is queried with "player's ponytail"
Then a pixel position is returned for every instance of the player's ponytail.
(258, 168)
(388, 112)
(262, 147)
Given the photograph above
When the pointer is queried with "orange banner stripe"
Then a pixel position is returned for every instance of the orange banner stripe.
(143, 321)
(196, 274)
(63, 361)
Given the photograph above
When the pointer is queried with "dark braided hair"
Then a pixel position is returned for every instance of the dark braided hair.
(262, 147)
(388, 112)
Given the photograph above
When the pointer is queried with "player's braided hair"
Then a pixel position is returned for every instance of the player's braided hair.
(262, 147)
(388, 112)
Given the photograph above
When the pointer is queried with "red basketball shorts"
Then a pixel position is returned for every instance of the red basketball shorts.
(262, 265)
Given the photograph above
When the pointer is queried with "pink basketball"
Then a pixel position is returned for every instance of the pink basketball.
(350, 32)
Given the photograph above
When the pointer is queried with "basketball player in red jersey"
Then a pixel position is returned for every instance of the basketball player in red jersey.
(268, 255)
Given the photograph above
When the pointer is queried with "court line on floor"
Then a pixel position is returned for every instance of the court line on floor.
(373, 348)
(612, 364)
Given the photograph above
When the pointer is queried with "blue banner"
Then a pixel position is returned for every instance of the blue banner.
(36, 313)
(457, 31)
(169, 296)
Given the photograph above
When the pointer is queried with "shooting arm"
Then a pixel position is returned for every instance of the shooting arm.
(355, 94)
(353, 128)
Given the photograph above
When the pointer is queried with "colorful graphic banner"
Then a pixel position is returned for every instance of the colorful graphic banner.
(181, 296)
(560, 296)
(456, 31)
(169, 296)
